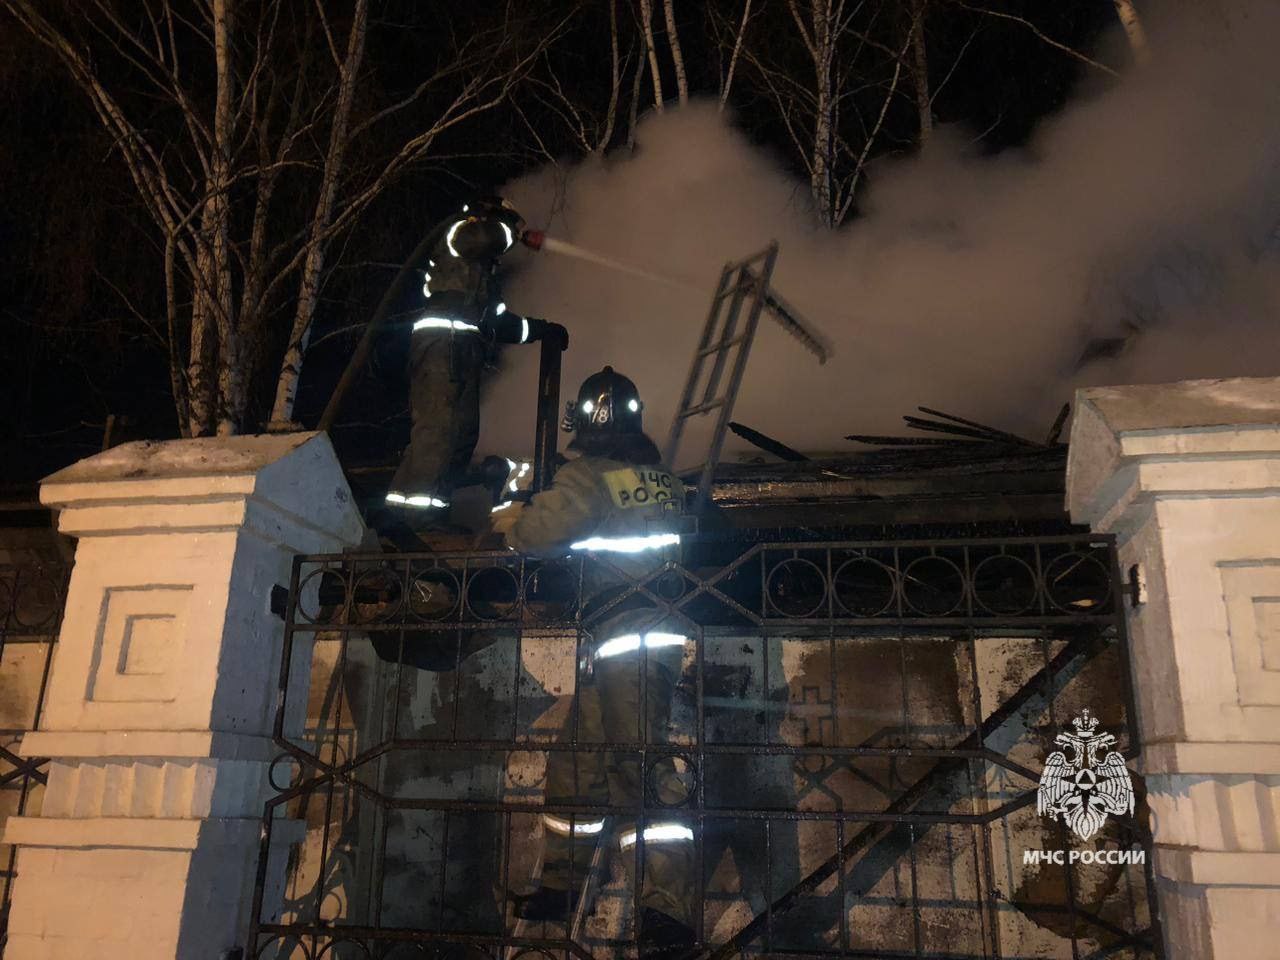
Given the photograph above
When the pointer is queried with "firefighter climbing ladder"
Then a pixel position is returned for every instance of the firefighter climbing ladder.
(727, 331)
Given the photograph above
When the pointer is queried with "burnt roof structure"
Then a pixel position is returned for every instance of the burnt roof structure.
(960, 477)
(989, 486)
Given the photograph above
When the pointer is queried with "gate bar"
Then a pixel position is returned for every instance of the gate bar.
(868, 835)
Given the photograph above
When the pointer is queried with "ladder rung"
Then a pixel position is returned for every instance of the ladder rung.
(744, 280)
(748, 262)
(745, 288)
(701, 408)
(722, 345)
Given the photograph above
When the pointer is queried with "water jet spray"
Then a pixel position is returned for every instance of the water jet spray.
(778, 308)
(537, 240)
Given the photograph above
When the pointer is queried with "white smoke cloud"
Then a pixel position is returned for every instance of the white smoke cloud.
(970, 284)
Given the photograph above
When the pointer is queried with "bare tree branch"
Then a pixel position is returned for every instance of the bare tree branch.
(209, 103)
(309, 286)
(1039, 35)
(727, 84)
(852, 189)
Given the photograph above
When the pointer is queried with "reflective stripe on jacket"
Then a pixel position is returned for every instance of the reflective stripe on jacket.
(597, 504)
(600, 507)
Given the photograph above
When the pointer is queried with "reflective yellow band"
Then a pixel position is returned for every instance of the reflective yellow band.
(443, 323)
(658, 833)
(629, 642)
(519, 470)
(627, 544)
(416, 501)
(448, 238)
(563, 827)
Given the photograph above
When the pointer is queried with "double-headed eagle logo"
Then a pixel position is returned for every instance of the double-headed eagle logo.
(1084, 789)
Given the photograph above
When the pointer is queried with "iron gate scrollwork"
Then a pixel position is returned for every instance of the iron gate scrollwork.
(859, 728)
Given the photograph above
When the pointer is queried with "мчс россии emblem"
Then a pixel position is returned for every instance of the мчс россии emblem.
(1085, 787)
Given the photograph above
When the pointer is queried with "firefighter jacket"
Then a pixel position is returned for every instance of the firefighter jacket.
(600, 507)
(616, 514)
(464, 297)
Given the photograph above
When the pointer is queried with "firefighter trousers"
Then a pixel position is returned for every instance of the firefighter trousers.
(444, 399)
(609, 711)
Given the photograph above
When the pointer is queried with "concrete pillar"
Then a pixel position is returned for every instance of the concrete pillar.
(162, 694)
(1188, 477)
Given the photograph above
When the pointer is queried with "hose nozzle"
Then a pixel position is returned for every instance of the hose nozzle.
(533, 239)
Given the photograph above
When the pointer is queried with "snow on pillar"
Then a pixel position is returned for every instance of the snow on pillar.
(161, 698)
(1188, 477)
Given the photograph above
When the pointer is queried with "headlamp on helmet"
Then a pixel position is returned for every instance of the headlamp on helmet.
(608, 403)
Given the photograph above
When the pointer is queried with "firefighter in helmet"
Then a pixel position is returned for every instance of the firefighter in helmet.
(451, 343)
(617, 506)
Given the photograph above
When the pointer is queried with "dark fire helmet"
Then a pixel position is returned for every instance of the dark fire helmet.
(608, 404)
(485, 230)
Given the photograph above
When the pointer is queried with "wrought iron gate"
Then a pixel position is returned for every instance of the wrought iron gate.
(31, 602)
(858, 729)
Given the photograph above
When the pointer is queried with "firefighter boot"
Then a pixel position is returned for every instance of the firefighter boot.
(544, 905)
(665, 937)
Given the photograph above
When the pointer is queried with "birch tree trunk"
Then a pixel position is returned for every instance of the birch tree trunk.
(201, 356)
(820, 176)
(1132, 24)
(231, 381)
(920, 70)
(271, 157)
(309, 286)
(646, 17)
(177, 377)
(615, 80)
(820, 39)
(633, 112)
(677, 55)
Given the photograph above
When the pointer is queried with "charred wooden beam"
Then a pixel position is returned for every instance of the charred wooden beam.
(882, 441)
(954, 430)
(991, 431)
(767, 443)
(1055, 432)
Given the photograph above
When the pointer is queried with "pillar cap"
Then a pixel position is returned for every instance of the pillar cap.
(144, 460)
(209, 484)
(1170, 439)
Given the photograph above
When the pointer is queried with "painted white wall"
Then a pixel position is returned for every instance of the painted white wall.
(1188, 476)
(161, 696)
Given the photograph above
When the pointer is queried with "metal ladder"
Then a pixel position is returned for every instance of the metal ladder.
(582, 908)
(727, 331)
